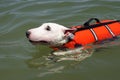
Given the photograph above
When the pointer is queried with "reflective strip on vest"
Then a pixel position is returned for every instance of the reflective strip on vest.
(110, 30)
(94, 34)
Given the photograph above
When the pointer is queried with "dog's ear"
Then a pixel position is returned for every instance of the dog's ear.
(69, 30)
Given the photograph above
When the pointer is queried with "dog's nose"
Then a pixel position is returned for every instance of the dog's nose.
(28, 34)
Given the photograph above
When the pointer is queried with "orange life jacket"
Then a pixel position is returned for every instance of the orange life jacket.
(102, 30)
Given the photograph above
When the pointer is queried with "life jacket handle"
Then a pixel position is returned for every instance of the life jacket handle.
(87, 23)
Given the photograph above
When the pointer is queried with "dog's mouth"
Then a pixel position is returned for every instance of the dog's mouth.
(39, 42)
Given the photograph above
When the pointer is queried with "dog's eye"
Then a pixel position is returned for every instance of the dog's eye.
(48, 28)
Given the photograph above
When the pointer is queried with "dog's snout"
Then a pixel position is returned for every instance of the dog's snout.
(28, 34)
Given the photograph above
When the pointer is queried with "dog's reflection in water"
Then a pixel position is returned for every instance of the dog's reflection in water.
(77, 54)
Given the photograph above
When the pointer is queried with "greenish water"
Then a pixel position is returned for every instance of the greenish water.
(19, 60)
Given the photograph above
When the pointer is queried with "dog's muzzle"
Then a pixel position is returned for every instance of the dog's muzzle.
(35, 42)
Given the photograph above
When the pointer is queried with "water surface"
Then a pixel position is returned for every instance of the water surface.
(19, 60)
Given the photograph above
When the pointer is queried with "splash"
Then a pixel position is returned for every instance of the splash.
(78, 54)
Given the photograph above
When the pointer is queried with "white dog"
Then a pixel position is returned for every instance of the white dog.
(52, 34)
(73, 39)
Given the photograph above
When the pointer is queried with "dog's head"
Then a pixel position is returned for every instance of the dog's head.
(49, 33)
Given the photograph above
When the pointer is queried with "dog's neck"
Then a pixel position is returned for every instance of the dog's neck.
(68, 37)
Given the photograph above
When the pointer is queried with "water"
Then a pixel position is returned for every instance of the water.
(19, 60)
